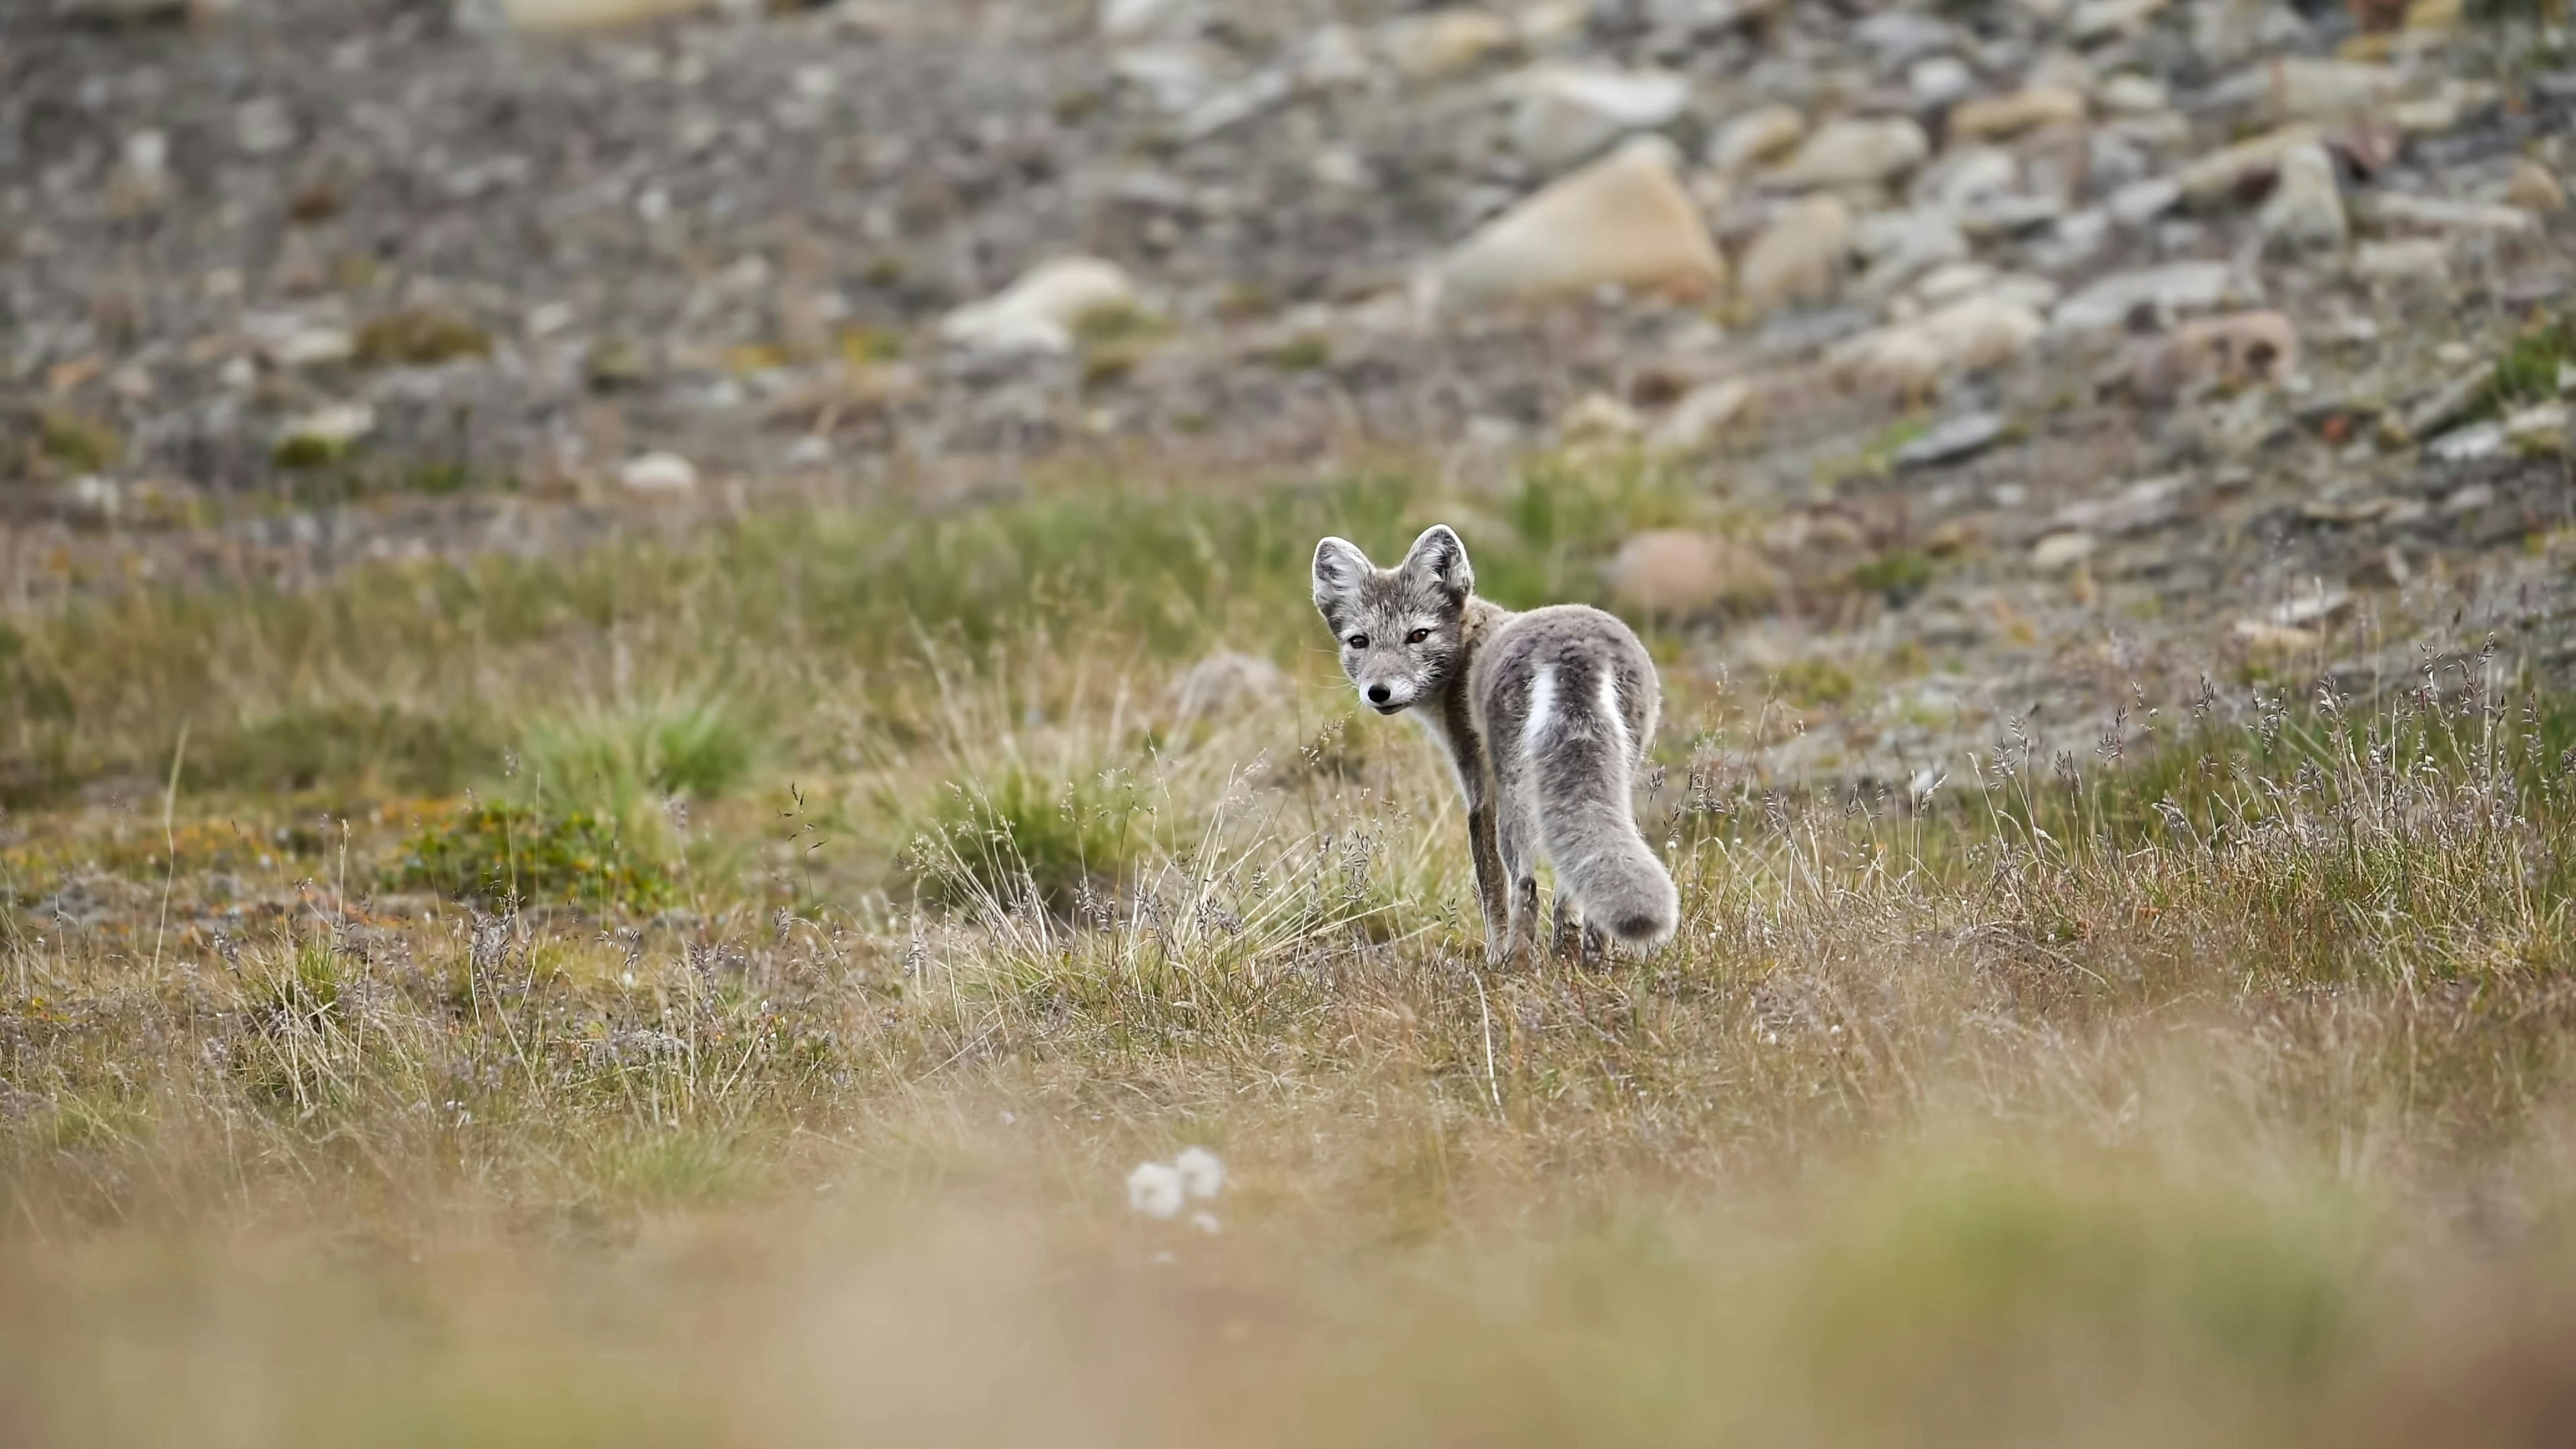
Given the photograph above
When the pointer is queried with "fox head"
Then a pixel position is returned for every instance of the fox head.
(1399, 629)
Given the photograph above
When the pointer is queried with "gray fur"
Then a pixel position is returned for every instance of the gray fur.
(1545, 716)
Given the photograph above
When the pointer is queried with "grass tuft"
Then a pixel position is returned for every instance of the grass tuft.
(494, 854)
(623, 762)
(1019, 837)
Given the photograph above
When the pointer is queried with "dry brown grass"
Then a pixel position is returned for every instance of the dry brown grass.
(2217, 1093)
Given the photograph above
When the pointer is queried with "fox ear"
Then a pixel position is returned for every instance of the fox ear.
(1439, 559)
(1339, 568)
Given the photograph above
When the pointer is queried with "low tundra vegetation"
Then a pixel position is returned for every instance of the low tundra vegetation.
(666, 1057)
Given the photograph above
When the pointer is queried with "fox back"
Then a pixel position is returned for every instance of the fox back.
(1570, 700)
(1545, 715)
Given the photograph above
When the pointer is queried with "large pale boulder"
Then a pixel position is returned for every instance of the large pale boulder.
(1039, 312)
(1624, 220)
(1227, 681)
(1679, 572)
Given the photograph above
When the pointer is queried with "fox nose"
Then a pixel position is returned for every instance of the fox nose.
(1377, 694)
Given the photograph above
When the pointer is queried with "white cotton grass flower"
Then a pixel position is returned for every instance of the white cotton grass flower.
(1156, 1190)
(1206, 1222)
(1160, 1190)
(1202, 1172)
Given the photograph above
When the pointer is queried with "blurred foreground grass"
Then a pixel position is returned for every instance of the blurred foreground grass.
(715, 994)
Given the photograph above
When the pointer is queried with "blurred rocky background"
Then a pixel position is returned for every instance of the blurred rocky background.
(2090, 342)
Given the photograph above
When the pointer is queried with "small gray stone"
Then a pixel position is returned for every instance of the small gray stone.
(2384, 568)
(1225, 681)
(1800, 255)
(2437, 213)
(2446, 405)
(1854, 152)
(1127, 20)
(2471, 444)
(1899, 36)
(263, 127)
(2141, 202)
(2306, 207)
(2062, 551)
(1568, 113)
(1939, 80)
(1756, 138)
(1951, 441)
(664, 474)
(2163, 291)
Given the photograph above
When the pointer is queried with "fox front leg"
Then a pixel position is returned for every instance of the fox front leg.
(1492, 895)
(1520, 942)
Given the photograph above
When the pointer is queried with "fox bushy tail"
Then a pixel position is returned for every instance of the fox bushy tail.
(1582, 764)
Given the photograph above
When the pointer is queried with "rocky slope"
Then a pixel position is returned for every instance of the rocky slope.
(2032, 355)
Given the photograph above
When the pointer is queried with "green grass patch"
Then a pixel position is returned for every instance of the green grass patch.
(489, 853)
(870, 346)
(2527, 373)
(1305, 354)
(621, 762)
(1566, 518)
(1899, 575)
(1810, 682)
(304, 747)
(801, 606)
(80, 444)
(303, 452)
(420, 337)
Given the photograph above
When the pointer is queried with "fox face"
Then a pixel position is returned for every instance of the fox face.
(1399, 629)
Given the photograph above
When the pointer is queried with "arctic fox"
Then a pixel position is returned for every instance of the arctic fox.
(1544, 714)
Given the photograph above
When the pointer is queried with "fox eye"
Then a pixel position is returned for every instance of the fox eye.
(1357, 641)
(1417, 636)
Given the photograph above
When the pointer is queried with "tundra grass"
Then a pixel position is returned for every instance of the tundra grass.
(2213, 1086)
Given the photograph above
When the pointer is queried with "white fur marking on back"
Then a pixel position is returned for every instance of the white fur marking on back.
(1610, 712)
(1542, 704)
